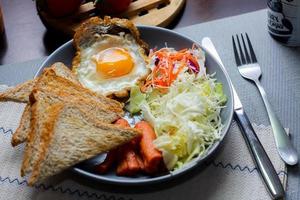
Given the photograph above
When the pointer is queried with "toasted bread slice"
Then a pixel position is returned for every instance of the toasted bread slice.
(95, 31)
(20, 135)
(70, 136)
(94, 108)
(57, 89)
(86, 34)
(63, 87)
(21, 92)
(42, 99)
(38, 117)
(60, 69)
(89, 106)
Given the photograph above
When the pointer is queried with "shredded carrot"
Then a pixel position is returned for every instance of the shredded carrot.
(168, 65)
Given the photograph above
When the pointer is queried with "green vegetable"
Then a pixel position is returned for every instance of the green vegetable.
(220, 93)
(135, 100)
(186, 119)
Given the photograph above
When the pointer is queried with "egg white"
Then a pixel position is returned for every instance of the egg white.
(87, 71)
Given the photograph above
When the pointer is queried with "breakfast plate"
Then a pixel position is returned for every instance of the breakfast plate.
(156, 38)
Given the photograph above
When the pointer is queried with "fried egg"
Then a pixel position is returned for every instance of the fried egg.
(111, 64)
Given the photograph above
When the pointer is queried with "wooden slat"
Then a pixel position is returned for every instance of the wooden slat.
(85, 11)
(87, 7)
(153, 15)
(136, 7)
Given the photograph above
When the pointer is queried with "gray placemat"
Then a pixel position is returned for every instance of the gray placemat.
(280, 67)
(281, 74)
(12, 74)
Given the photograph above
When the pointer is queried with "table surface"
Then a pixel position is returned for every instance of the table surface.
(26, 38)
(280, 68)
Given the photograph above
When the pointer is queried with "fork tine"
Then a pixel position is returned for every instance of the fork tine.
(245, 50)
(236, 55)
(253, 57)
(240, 50)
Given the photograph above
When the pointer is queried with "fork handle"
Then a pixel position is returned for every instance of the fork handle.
(285, 148)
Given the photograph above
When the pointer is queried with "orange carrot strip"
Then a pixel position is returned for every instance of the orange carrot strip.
(151, 156)
(163, 73)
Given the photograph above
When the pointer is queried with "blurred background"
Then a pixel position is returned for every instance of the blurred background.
(26, 37)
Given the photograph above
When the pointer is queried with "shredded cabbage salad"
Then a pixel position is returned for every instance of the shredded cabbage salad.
(186, 117)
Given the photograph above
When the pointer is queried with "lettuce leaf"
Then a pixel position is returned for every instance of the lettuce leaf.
(186, 119)
(135, 100)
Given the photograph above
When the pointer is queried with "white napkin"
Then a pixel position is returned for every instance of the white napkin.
(231, 175)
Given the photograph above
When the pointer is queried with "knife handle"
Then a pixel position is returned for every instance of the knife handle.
(260, 157)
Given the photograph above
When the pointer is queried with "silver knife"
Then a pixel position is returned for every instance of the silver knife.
(260, 157)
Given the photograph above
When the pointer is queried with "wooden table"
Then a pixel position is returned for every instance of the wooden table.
(26, 38)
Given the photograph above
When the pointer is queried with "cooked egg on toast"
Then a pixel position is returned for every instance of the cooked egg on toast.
(110, 56)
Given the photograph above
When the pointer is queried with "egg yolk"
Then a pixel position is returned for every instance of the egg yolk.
(113, 62)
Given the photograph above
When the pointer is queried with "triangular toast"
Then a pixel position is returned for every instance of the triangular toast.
(50, 81)
(39, 117)
(20, 135)
(94, 108)
(43, 99)
(21, 92)
(45, 90)
(70, 136)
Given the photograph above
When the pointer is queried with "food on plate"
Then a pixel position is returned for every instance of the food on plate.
(136, 156)
(68, 89)
(112, 6)
(56, 119)
(110, 56)
(106, 165)
(56, 79)
(21, 92)
(151, 156)
(95, 110)
(67, 141)
(183, 104)
(128, 159)
(20, 135)
(71, 116)
(167, 64)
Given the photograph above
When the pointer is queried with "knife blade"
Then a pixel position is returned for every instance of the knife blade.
(259, 155)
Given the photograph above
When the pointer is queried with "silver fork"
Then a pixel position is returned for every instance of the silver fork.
(249, 68)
